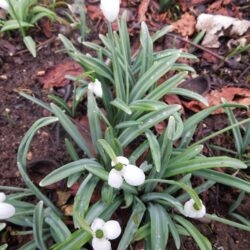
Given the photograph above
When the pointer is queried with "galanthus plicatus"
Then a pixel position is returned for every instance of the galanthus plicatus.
(103, 232)
(122, 170)
(110, 9)
(190, 210)
(96, 88)
(4, 4)
(6, 210)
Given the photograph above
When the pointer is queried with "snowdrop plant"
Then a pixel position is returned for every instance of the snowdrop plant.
(4, 4)
(110, 9)
(103, 232)
(6, 210)
(24, 15)
(127, 165)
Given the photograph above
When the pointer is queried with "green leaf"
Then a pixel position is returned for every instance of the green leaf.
(200, 239)
(147, 105)
(147, 49)
(59, 101)
(154, 149)
(13, 25)
(30, 45)
(203, 163)
(228, 222)
(38, 226)
(71, 129)
(132, 226)
(149, 78)
(83, 198)
(148, 121)
(94, 122)
(118, 103)
(67, 170)
(158, 226)
(225, 179)
(108, 149)
(59, 228)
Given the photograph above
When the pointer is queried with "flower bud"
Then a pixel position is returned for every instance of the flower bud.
(110, 9)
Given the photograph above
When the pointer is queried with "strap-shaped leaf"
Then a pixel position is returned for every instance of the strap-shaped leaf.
(148, 121)
(154, 149)
(59, 228)
(224, 179)
(71, 129)
(38, 226)
(203, 163)
(200, 239)
(132, 226)
(149, 78)
(120, 104)
(67, 170)
(158, 226)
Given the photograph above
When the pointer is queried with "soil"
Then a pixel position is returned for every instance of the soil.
(20, 73)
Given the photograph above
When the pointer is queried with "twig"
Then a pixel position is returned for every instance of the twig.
(39, 45)
(196, 45)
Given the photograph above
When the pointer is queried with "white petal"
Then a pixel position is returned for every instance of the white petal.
(133, 175)
(112, 229)
(2, 197)
(115, 179)
(110, 9)
(101, 244)
(96, 88)
(97, 224)
(6, 210)
(4, 4)
(190, 211)
(121, 159)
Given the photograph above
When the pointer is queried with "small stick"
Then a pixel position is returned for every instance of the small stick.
(195, 45)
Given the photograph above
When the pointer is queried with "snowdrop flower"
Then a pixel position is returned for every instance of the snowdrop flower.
(133, 175)
(4, 4)
(192, 212)
(6, 210)
(110, 9)
(96, 88)
(103, 232)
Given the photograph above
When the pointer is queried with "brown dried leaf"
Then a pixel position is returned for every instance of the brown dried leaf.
(142, 10)
(55, 76)
(231, 94)
(186, 25)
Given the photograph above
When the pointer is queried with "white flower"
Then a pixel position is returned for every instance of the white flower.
(4, 4)
(103, 232)
(192, 212)
(133, 175)
(6, 210)
(110, 9)
(96, 88)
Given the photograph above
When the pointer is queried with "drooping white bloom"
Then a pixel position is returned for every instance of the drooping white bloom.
(122, 170)
(96, 88)
(192, 212)
(110, 9)
(4, 4)
(6, 210)
(103, 232)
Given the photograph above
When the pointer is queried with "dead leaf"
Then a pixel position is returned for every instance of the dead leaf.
(62, 197)
(142, 10)
(55, 76)
(231, 94)
(160, 127)
(217, 26)
(186, 25)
